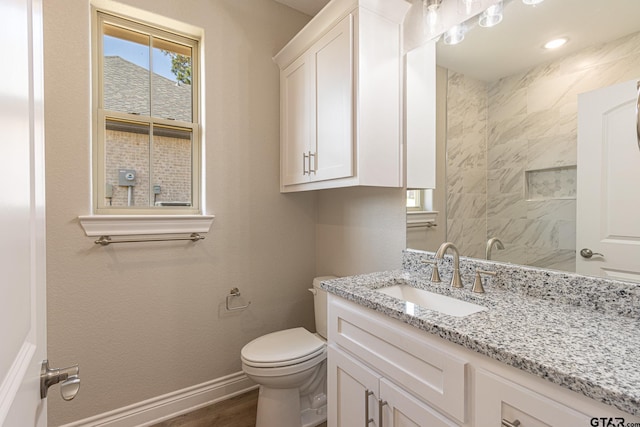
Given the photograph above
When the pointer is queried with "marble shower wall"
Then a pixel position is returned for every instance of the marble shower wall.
(530, 127)
(467, 164)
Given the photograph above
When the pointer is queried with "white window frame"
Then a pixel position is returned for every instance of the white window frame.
(99, 116)
(424, 199)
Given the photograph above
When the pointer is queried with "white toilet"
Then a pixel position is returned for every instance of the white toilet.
(291, 368)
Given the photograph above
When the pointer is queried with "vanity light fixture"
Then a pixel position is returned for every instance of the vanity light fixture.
(455, 34)
(431, 12)
(532, 2)
(467, 6)
(555, 43)
(492, 16)
(432, 5)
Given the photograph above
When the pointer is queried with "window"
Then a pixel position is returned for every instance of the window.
(147, 140)
(420, 200)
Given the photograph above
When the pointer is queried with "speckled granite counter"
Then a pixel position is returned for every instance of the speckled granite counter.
(581, 333)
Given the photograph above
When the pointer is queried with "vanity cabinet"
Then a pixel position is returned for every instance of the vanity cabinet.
(382, 369)
(341, 98)
(405, 382)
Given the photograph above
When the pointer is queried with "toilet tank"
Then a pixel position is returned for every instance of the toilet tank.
(320, 305)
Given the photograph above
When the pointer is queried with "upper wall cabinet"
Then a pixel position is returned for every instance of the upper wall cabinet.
(341, 98)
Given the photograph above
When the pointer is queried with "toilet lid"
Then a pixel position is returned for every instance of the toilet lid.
(277, 348)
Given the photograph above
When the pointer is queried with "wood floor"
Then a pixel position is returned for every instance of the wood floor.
(239, 411)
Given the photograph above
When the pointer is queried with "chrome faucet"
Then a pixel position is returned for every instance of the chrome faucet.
(490, 243)
(456, 282)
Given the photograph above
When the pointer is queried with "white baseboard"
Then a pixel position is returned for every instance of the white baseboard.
(172, 404)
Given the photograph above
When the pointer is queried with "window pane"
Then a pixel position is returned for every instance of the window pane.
(413, 198)
(126, 164)
(146, 87)
(171, 97)
(126, 70)
(172, 166)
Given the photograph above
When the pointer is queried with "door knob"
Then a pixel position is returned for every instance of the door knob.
(70, 387)
(588, 253)
(69, 379)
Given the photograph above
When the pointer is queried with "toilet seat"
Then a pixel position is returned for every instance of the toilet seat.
(286, 370)
(283, 348)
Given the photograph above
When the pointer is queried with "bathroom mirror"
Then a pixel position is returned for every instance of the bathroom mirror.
(507, 134)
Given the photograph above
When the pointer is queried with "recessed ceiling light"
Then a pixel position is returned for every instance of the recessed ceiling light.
(532, 2)
(554, 44)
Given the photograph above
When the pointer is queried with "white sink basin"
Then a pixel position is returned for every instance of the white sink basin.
(431, 301)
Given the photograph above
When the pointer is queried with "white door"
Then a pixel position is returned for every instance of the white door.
(22, 249)
(608, 177)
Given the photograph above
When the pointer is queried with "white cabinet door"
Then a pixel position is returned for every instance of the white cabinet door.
(420, 85)
(295, 121)
(400, 409)
(352, 103)
(352, 390)
(357, 395)
(332, 58)
(498, 399)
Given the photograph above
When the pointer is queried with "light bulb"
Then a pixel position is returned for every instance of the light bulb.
(455, 34)
(430, 11)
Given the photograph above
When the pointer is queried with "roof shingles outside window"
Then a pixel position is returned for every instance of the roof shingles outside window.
(126, 89)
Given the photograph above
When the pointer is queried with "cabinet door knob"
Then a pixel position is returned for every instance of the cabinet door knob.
(507, 423)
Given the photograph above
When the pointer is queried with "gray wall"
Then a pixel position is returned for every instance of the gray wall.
(147, 319)
(360, 230)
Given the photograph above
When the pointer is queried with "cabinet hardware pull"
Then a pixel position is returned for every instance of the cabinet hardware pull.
(381, 404)
(507, 423)
(367, 420)
(315, 163)
(304, 164)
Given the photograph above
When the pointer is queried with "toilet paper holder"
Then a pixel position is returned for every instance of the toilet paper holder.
(235, 292)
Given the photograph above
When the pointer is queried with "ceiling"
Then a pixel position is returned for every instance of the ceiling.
(308, 7)
(516, 43)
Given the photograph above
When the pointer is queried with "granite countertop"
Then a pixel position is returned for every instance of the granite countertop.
(593, 352)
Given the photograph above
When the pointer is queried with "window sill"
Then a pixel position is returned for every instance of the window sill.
(126, 225)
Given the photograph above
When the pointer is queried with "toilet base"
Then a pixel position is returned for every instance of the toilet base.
(280, 407)
(313, 417)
